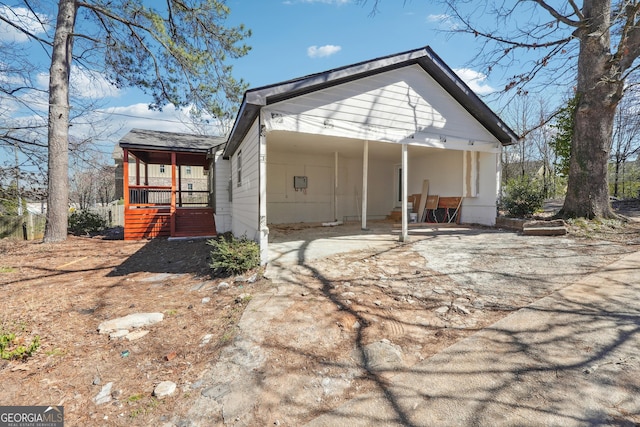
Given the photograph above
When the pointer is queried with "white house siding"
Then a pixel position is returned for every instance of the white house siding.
(483, 208)
(393, 106)
(316, 204)
(284, 203)
(244, 205)
(380, 194)
(221, 175)
(443, 169)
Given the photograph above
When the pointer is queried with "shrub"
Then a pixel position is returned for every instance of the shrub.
(523, 197)
(231, 255)
(11, 348)
(85, 222)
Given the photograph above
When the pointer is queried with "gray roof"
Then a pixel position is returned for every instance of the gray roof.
(169, 141)
(255, 99)
(155, 147)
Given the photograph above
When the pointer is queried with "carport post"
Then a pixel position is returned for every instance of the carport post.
(405, 232)
(335, 186)
(365, 173)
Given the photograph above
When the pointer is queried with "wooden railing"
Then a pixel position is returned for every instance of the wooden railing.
(146, 195)
(153, 196)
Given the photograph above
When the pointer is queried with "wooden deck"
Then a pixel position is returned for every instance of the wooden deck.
(152, 211)
(151, 222)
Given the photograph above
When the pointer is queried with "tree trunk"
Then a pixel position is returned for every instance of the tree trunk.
(616, 178)
(599, 91)
(58, 197)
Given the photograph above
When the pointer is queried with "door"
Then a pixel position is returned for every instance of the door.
(397, 186)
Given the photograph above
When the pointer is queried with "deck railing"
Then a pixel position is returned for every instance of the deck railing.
(152, 196)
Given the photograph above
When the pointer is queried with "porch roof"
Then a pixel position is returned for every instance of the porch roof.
(155, 147)
(255, 99)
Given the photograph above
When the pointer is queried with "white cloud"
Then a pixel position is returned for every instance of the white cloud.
(476, 81)
(438, 17)
(24, 18)
(85, 84)
(140, 116)
(120, 120)
(322, 51)
(443, 20)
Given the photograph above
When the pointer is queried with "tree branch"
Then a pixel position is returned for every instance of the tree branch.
(560, 17)
(25, 32)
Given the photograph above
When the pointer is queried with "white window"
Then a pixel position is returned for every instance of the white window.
(161, 168)
(190, 188)
(239, 165)
(187, 170)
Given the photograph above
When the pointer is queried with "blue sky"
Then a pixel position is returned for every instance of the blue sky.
(299, 37)
(291, 38)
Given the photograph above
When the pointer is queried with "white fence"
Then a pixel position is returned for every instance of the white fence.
(113, 214)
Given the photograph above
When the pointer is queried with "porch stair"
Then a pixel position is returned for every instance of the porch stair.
(395, 215)
(195, 222)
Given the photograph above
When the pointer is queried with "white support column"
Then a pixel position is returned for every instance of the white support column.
(262, 183)
(405, 213)
(365, 179)
(335, 186)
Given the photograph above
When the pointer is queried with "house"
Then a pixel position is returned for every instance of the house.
(355, 141)
(167, 193)
(194, 178)
(351, 144)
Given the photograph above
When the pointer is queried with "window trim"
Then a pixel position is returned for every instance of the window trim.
(239, 168)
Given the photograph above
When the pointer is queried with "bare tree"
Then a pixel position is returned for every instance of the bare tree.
(518, 159)
(626, 137)
(592, 46)
(177, 55)
(94, 186)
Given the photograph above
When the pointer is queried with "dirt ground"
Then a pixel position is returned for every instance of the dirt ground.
(62, 292)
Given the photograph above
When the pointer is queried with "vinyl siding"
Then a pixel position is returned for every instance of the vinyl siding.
(406, 101)
(244, 206)
(220, 184)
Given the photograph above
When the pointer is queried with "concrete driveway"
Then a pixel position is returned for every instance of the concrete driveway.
(564, 351)
(570, 357)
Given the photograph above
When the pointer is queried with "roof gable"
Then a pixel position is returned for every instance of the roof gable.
(392, 106)
(255, 99)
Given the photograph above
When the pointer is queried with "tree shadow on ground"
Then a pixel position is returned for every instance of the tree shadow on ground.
(567, 359)
(168, 256)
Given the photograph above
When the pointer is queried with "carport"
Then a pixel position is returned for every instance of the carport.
(355, 142)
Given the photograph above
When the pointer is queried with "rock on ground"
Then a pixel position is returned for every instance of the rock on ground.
(136, 320)
(164, 389)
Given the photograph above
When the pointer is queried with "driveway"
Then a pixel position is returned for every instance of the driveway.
(458, 326)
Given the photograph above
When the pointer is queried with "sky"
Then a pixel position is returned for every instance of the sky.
(290, 38)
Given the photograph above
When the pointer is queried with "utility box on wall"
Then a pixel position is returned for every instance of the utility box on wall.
(300, 183)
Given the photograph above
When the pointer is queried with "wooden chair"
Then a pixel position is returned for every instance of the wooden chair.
(429, 214)
(451, 207)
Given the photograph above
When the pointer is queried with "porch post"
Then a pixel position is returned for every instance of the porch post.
(172, 210)
(180, 185)
(137, 171)
(365, 179)
(405, 232)
(263, 229)
(125, 178)
(146, 174)
(335, 187)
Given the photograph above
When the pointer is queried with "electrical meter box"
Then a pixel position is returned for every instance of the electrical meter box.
(300, 182)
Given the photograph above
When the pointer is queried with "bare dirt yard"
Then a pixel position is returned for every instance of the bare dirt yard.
(398, 305)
